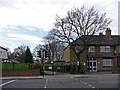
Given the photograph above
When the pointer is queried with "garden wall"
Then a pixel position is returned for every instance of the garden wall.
(28, 72)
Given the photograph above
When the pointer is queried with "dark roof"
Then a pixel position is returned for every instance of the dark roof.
(3, 48)
(102, 40)
(99, 40)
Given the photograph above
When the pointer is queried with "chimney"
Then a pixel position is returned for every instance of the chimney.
(108, 33)
(100, 33)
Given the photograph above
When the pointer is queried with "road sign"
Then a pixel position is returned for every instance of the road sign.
(50, 67)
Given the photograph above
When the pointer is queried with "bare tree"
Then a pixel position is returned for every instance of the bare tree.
(79, 24)
(54, 48)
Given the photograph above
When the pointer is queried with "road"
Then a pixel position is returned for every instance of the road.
(65, 81)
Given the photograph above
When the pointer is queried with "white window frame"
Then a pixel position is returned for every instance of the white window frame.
(91, 49)
(105, 49)
(107, 62)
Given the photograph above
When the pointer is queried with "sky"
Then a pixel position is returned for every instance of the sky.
(28, 21)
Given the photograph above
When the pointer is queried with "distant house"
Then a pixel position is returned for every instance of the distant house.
(3, 54)
(103, 54)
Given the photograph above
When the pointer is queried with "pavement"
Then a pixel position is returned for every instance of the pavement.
(30, 77)
(47, 73)
(21, 77)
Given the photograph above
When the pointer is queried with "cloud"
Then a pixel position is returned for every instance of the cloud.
(33, 39)
(28, 21)
(41, 13)
(7, 3)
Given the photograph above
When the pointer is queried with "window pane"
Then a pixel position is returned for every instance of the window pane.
(105, 49)
(94, 64)
(107, 62)
(91, 49)
(90, 63)
(94, 68)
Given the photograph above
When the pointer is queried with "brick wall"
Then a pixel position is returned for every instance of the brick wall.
(21, 72)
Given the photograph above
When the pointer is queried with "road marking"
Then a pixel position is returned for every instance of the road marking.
(93, 87)
(89, 85)
(85, 83)
(7, 83)
(46, 83)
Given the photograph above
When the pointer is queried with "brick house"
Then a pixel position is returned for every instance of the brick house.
(103, 53)
(3, 54)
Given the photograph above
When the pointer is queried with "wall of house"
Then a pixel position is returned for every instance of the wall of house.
(73, 57)
(97, 53)
(67, 54)
(70, 56)
(100, 56)
(100, 66)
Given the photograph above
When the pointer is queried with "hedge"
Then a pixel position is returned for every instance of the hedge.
(9, 66)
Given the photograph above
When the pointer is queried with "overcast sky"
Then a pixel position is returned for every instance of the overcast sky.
(28, 21)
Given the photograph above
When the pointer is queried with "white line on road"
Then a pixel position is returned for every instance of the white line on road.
(89, 85)
(7, 83)
(85, 83)
(93, 87)
(46, 83)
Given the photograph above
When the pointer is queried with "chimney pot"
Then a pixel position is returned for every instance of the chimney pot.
(108, 33)
(100, 33)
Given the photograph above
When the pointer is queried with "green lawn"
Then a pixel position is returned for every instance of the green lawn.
(9, 66)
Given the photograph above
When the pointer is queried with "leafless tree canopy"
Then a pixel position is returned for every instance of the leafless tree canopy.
(54, 48)
(79, 22)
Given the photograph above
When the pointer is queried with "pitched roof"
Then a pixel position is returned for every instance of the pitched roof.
(102, 40)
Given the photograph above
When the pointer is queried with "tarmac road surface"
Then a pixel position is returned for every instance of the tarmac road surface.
(65, 81)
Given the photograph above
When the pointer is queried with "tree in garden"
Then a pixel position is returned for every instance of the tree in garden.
(79, 24)
(28, 56)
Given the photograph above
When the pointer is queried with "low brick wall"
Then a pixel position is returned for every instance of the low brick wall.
(30, 72)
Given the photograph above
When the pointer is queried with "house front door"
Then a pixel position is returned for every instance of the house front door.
(92, 64)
